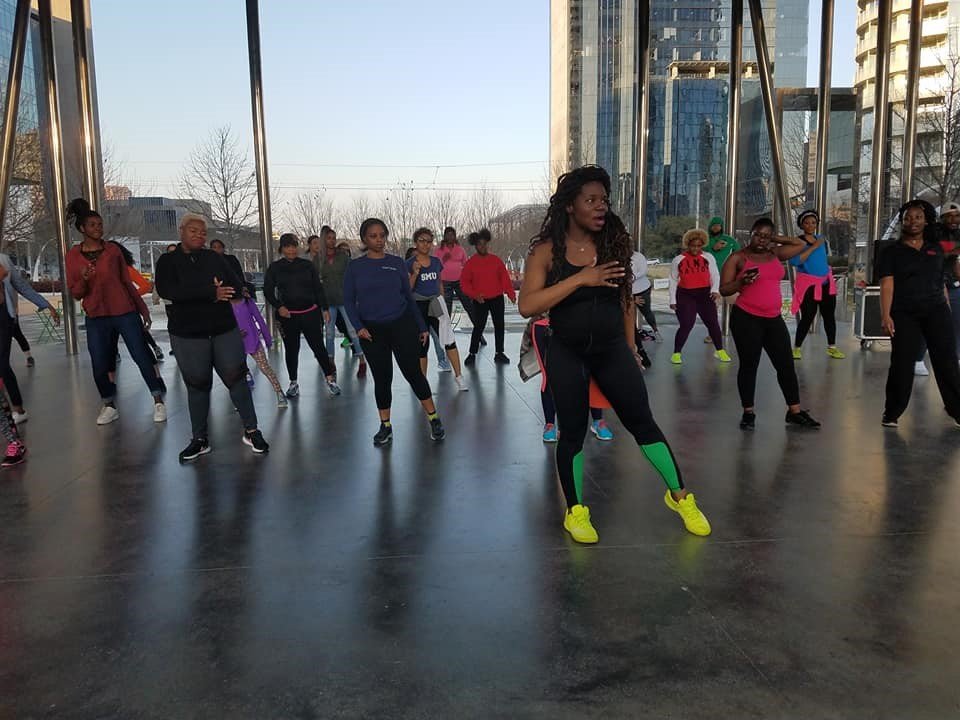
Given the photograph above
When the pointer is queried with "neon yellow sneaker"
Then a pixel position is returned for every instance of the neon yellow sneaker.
(835, 353)
(693, 520)
(796, 354)
(577, 523)
(722, 355)
(676, 359)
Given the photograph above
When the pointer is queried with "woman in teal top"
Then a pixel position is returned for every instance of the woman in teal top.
(814, 289)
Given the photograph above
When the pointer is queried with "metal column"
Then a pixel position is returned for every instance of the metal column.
(259, 137)
(733, 135)
(58, 200)
(911, 101)
(880, 117)
(89, 138)
(823, 105)
(643, 120)
(766, 89)
(11, 105)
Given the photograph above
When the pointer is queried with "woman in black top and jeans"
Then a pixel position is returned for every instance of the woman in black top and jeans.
(914, 310)
(293, 287)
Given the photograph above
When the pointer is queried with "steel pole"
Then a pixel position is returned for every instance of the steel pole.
(823, 105)
(911, 101)
(11, 104)
(766, 90)
(733, 135)
(643, 120)
(259, 137)
(878, 147)
(89, 138)
(58, 200)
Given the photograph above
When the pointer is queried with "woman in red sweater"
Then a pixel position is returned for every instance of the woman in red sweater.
(485, 279)
(97, 275)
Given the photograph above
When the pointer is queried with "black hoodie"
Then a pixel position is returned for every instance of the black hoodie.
(188, 281)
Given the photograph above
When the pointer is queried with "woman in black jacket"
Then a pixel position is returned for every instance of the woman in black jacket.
(292, 286)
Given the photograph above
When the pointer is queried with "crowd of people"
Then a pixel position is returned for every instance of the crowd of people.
(583, 288)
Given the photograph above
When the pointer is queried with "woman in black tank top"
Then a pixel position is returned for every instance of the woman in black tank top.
(578, 270)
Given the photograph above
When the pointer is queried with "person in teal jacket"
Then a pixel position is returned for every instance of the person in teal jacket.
(720, 245)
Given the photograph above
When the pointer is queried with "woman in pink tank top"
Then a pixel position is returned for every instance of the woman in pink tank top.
(755, 273)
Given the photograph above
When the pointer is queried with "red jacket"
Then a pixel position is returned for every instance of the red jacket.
(486, 276)
(109, 290)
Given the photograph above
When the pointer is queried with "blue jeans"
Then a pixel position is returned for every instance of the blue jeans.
(100, 331)
(331, 330)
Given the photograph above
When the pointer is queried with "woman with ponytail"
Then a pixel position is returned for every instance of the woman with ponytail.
(579, 270)
(97, 275)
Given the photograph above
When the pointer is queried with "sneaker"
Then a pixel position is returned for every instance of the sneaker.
(461, 384)
(16, 454)
(250, 380)
(693, 519)
(676, 359)
(707, 340)
(159, 354)
(657, 336)
(444, 367)
(501, 359)
(293, 390)
(577, 523)
(30, 361)
(20, 417)
(550, 433)
(196, 448)
(888, 421)
(345, 343)
(256, 442)
(282, 401)
(802, 419)
(436, 430)
(383, 436)
(722, 355)
(796, 353)
(600, 429)
(362, 371)
(835, 353)
(159, 412)
(107, 415)
(748, 421)
(471, 360)
(333, 388)
(920, 369)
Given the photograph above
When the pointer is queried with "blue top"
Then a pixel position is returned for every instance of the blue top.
(378, 291)
(427, 286)
(815, 264)
(15, 283)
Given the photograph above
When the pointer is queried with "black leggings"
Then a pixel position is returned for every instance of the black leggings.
(311, 325)
(754, 335)
(495, 308)
(19, 336)
(808, 311)
(646, 310)
(935, 328)
(616, 373)
(401, 339)
(8, 325)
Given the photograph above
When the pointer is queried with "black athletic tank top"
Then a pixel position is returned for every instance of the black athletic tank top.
(589, 315)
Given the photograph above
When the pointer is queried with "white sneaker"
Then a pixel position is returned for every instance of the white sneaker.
(333, 388)
(293, 390)
(461, 384)
(20, 417)
(107, 415)
(920, 369)
(159, 412)
(446, 367)
(282, 400)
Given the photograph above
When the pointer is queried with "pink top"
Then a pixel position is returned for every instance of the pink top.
(762, 297)
(453, 259)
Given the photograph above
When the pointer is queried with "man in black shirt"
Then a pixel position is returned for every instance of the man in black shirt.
(203, 332)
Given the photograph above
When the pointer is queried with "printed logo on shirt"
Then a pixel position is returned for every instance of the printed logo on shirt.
(388, 267)
(428, 276)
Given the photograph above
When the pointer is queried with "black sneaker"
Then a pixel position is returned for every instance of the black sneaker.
(159, 354)
(196, 448)
(888, 421)
(501, 359)
(802, 419)
(471, 360)
(748, 421)
(30, 361)
(16, 453)
(383, 436)
(436, 430)
(256, 442)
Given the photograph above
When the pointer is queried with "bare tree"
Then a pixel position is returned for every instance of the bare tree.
(219, 172)
(482, 204)
(306, 213)
(400, 209)
(358, 210)
(443, 208)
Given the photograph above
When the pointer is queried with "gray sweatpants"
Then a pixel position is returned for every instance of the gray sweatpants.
(197, 359)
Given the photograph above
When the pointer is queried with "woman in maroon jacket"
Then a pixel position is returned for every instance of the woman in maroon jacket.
(97, 275)
(485, 279)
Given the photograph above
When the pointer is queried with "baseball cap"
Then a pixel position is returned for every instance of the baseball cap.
(949, 208)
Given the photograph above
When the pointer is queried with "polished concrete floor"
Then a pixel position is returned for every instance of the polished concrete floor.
(332, 580)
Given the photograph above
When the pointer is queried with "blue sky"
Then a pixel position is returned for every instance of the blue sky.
(362, 82)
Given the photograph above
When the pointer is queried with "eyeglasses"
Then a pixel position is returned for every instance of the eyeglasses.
(425, 240)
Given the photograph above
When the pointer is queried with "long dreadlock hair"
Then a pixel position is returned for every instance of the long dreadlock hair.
(613, 241)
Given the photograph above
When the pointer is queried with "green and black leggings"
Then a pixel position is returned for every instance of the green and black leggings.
(613, 367)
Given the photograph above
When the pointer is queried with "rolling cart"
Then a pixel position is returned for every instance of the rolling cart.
(866, 319)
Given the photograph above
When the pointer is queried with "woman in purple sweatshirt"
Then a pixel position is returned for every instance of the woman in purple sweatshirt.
(256, 335)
